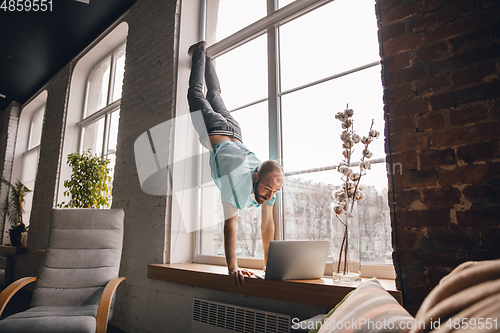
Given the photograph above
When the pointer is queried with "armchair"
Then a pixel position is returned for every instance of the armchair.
(76, 283)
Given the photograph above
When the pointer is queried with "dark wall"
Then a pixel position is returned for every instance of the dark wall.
(441, 69)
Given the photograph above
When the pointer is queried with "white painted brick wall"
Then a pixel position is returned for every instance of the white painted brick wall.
(147, 100)
(48, 166)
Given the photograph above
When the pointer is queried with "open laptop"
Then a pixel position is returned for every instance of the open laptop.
(296, 260)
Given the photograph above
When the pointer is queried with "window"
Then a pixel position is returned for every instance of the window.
(284, 77)
(30, 159)
(27, 150)
(94, 101)
(102, 106)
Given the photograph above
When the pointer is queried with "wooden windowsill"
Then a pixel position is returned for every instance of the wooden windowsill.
(321, 292)
(5, 249)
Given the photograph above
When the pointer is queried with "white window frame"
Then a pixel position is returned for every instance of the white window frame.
(267, 24)
(109, 41)
(110, 107)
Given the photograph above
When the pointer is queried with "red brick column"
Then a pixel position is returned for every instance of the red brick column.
(441, 75)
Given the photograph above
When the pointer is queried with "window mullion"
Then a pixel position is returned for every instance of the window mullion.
(111, 85)
(198, 167)
(105, 139)
(274, 110)
(203, 20)
(99, 114)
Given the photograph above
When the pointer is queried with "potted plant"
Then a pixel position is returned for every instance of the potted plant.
(345, 240)
(88, 186)
(15, 209)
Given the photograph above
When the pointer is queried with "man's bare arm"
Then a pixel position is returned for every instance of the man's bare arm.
(267, 228)
(231, 219)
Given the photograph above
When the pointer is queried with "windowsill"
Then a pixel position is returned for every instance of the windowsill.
(321, 292)
(5, 249)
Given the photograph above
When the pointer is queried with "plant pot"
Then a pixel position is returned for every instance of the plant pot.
(15, 239)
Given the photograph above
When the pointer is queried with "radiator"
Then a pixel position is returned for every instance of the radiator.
(215, 317)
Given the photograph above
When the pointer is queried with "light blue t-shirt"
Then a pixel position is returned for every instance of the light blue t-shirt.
(233, 166)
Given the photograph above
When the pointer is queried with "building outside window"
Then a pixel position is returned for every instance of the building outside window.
(102, 106)
(284, 85)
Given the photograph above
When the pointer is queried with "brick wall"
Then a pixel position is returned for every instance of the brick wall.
(9, 124)
(44, 192)
(441, 69)
(147, 100)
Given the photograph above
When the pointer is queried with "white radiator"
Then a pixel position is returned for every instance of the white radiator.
(215, 317)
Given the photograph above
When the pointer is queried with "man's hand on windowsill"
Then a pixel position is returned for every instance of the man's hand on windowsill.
(238, 276)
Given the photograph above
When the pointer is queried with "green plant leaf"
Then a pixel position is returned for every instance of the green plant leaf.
(87, 185)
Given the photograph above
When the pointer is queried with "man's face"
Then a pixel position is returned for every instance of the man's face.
(264, 189)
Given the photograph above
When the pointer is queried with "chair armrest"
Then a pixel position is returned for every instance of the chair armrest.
(8, 292)
(105, 304)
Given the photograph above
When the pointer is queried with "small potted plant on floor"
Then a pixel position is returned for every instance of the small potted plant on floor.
(14, 210)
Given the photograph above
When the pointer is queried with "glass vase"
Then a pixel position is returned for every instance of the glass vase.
(346, 248)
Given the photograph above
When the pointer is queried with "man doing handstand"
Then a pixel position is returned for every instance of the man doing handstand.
(243, 180)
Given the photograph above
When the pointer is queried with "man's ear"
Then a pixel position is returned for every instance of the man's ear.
(255, 177)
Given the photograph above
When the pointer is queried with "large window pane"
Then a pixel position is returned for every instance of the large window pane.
(119, 71)
(310, 130)
(337, 37)
(212, 221)
(374, 217)
(254, 125)
(225, 17)
(30, 167)
(97, 90)
(306, 204)
(248, 235)
(307, 199)
(36, 129)
(243, 73)
(93, 135)
(110, 153)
